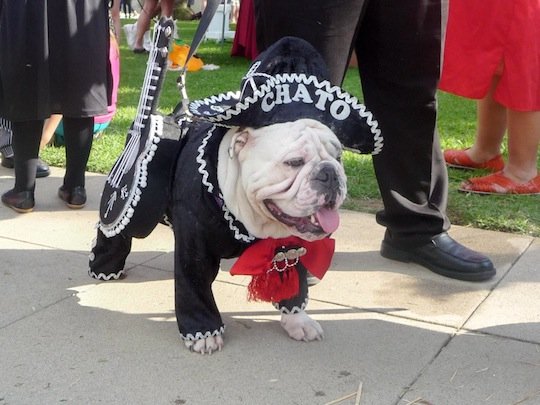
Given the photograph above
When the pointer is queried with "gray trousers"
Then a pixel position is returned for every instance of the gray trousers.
(398, 46)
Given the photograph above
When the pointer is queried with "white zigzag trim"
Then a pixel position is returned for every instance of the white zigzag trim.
(167, 221)
(216, 98)
(294, 309)
(238, 235)
(202, 163)
(230, 218)
(106, 277)
(200, 335)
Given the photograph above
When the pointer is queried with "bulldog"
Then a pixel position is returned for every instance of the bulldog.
(231, 188)
(255, 175)
(281, 180)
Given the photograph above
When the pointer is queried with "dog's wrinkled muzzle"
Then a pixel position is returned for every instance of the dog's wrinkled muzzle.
(328, 189)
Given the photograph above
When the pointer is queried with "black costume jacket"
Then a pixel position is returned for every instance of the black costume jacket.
(205, 230)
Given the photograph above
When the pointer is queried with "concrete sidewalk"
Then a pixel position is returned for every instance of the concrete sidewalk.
(404, 334)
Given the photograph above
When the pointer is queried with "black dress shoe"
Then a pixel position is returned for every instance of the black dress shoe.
(74, 198)
(444, 256)
(20, 201)
(8, 162)
(42, 169)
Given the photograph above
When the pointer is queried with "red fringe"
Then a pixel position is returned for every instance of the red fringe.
(274, 286)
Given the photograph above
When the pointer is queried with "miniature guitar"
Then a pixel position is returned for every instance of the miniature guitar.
(128, 177)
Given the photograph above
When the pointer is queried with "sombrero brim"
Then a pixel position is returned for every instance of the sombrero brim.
(267, 100)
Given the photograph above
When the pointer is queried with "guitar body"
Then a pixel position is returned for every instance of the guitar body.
(127, 184)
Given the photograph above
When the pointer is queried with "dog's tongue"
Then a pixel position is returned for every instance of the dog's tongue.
(328, 219)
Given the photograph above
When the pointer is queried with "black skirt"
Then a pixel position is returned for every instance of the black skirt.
(54, 58)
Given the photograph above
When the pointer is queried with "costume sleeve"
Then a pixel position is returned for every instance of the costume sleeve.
(299, 302)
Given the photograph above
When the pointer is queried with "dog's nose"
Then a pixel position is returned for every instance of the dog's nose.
(327, 180)
(327, 175)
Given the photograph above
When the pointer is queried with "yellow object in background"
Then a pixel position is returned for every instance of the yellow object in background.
(178, 55)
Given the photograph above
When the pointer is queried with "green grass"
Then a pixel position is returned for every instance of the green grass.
(457, 120)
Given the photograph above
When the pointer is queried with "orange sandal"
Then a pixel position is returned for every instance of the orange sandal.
(459, 159)
(498, 183)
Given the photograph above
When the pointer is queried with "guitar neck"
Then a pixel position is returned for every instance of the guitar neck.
(155, 72)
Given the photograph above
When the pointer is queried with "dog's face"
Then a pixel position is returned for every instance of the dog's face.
(283, 179)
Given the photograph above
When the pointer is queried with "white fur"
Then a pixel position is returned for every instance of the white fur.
(251, 169)
(300, 326)
(206, 345)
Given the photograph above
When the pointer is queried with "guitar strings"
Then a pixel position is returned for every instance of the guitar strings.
(124, 164)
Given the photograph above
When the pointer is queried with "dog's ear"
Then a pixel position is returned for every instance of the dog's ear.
(238, 141)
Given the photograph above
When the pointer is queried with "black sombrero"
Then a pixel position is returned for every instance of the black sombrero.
(287, 82)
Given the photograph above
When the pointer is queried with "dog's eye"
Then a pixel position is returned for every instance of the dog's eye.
(296, 162)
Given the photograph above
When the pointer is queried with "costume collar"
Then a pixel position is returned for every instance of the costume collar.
(207, 158)
(273, 265)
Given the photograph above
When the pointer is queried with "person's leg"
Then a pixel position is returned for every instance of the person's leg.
(399, 52)
(143, 22)
(115, 17)
(520, 174)
(42, 168)
(399, 57)
(398, 49)
(485, 153)
(402, 95)
(26, 136)
(523, 142)
(78, 134)
(167, 7)
(49, 127)
(491, 121)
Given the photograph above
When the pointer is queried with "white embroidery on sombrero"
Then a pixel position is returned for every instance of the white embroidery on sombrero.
(213, 100)
(201, 335)
(253, 68)
(200, 159)
(221, 108)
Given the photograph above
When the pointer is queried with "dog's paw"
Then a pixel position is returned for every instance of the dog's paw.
(206, 345)
(300, 326)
